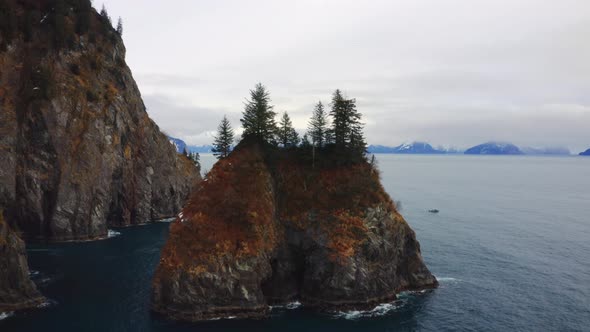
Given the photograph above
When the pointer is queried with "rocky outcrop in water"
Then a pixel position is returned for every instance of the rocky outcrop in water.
(79, 152)
(17, 291)
(264, 230)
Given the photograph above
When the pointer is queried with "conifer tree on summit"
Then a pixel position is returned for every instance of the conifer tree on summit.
(347, 129)
(223, 141)
(120, 27)
(258, 118)
(318, 126)
(287, 135)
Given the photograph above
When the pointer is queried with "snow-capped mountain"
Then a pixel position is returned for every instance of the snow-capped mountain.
(179, 144)
(407, 148)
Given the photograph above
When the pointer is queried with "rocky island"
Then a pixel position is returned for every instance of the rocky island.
(79, 152)
(272, 225)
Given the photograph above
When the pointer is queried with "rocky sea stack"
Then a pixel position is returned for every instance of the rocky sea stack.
(79, 152)
(268, 227)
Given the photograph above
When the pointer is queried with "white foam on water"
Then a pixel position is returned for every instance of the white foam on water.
(47, 304)
(111, 233)
(168, 220)
(447, 279)
(288, 306)
(4, 315)
(293, 305)
(44, 280)
(380, 310)
(220, 318)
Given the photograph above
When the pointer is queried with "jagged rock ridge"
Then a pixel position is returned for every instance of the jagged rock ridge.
(270, 229)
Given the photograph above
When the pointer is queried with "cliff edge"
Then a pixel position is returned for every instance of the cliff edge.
(79, 152)
(265, 229)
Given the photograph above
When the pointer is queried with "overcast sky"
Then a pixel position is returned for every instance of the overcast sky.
(453, 73)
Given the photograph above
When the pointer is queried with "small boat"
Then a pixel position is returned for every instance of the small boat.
(433, 211)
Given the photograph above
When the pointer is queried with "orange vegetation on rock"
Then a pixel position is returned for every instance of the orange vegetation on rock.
(231, 214)
(270, 225)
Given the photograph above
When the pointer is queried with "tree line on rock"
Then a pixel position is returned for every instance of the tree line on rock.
(343, 140)
(193, 156)
(62, 19)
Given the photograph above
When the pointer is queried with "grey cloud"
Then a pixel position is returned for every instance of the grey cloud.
(452, 72)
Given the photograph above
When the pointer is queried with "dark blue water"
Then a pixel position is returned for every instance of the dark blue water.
(510, 246)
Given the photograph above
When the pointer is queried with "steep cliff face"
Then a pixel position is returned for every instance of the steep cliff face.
(266, 230)
(79, 152)
(17, 291)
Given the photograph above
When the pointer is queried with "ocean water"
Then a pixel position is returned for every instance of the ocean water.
(510, 247)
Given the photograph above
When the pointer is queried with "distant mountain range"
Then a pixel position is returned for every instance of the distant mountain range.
(179, 144)
(555, 151)
(494, 148)
(406, 148)
(489, 148)
(200, 148)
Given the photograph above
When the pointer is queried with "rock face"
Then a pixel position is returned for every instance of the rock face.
(79, 152)
(262, 230)
(17, 291)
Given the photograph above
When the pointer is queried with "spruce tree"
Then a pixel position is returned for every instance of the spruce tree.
(195, 157)
(106, 19)
(347, 129)
(287, 135)
(340, 119)
(318, 126)
(258, 116)
(223, 141)
(120, 26)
